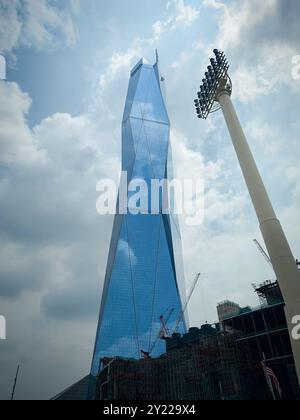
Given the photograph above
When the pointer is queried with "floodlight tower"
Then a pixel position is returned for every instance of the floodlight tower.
(215, 93)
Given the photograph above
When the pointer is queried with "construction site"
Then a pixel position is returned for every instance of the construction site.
(264, 335)
(226, 361)
(200, 365)
(246, 355)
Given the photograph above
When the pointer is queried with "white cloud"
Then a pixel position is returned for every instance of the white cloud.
(243, 25)
(56, 245)
(179, 14)
(36, 24)
(237, 16)
(125, 249)
(16, 142)
(225, 234)
(222, 204)
(184, 14)
(48, 180)
(118, 62)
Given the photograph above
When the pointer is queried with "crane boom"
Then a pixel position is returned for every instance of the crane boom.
(263, 252)
(187, 302)
(164, 322)
(164, 330)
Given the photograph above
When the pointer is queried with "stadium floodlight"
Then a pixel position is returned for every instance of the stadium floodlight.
(214, 94)
(216, 73)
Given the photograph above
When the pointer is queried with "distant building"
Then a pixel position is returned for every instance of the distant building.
(76, 392)
(227, 309)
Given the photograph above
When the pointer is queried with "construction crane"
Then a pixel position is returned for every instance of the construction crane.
(187, 302)
(263, 252)
(163, 332)
(266, 256)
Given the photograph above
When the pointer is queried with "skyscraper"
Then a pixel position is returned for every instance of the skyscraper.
(144, 275)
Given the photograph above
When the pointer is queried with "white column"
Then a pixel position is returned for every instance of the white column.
(282, 259)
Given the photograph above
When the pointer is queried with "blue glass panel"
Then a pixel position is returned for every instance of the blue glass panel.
(130, 94)
(140, 104)
(158, 142)
(136, 129)
(167, 293)
(128, 149)
(176, 238)
(142, 166)
(144, 233)
(117, 333)
(155, 109)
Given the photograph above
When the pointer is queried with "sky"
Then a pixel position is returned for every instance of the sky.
(68, 66)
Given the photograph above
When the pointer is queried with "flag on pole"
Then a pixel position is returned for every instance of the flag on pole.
(274, 380)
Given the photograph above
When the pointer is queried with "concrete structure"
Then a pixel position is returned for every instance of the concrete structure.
(227, 308)
(263, 333)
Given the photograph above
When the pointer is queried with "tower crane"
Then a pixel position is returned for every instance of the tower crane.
(263, 252)
(187, 302)
(164, 331)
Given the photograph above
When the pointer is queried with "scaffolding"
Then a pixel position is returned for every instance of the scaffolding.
(269, 293)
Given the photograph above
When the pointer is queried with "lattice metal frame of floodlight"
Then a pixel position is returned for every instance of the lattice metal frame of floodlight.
(215, 78)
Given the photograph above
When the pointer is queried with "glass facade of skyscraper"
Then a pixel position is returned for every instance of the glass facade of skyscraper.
(144, 277)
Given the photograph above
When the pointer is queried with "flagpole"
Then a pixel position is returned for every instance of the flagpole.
(221, 390)
(15, 384)
(268, 379)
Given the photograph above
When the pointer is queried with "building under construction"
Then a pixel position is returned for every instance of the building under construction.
(200, 365)
(223, 362)
(264, 334)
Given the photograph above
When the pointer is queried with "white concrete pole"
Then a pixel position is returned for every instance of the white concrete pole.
(281, 256)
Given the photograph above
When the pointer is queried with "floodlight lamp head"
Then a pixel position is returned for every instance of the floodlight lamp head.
(215, 76)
